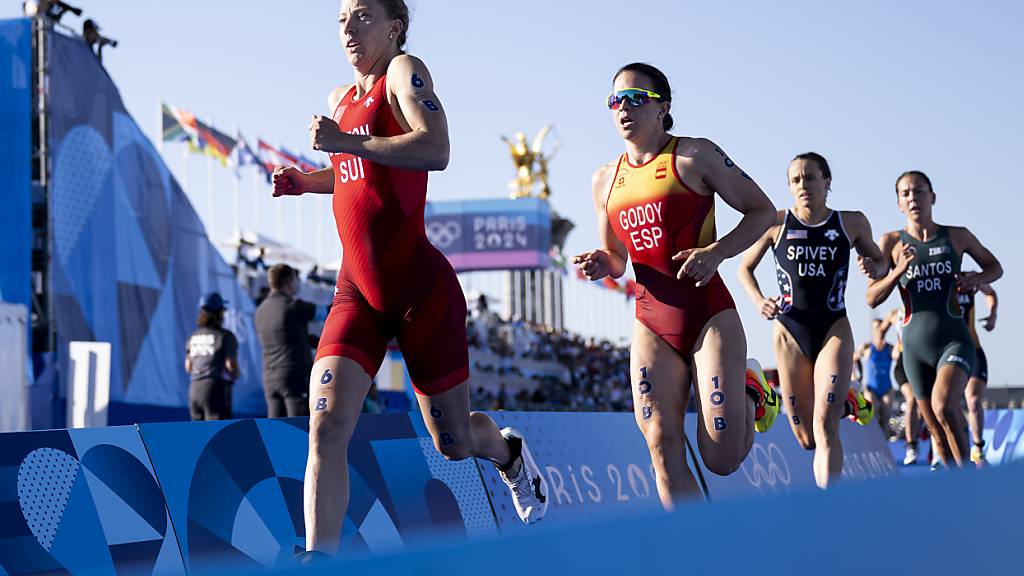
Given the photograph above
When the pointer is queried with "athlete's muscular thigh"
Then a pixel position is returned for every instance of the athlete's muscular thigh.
(660, 381)
(832, 370)
(720, 359)
(796, 380)
(337, 387)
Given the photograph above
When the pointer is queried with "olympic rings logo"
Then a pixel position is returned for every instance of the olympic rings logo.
(443, 234)
(766, 468)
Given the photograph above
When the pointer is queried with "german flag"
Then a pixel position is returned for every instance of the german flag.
(216, 143)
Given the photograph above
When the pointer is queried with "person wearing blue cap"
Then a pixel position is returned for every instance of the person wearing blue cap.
(211, 359)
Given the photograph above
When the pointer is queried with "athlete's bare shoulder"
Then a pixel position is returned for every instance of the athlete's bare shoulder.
(336, 95)
(406, 65)
(604, 173)
(600, 182)
(959, 232)
(961, 237)
(690, 146)
(855, 223)
(853, 216)
(889, 241)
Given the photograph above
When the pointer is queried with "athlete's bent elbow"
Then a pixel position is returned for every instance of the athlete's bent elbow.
(766, 216)
(873, 299)
(997, 271)
(439, 161)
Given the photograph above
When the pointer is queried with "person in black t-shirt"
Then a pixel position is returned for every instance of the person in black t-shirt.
(282, 326)
(211, 358)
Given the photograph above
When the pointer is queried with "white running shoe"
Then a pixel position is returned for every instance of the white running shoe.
(529, 488)
(911, 458)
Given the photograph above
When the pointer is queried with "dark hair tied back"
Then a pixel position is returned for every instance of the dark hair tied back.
(818, 159)
(917, 174)
(658, 81)
(397, 10)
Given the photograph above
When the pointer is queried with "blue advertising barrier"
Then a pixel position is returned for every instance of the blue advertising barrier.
(491, 234)
(204, 497)
(778, 465)
(964, 523)
(595, 464)
(1004, 436)
(16, 162)
(82, 502)
(234, 489)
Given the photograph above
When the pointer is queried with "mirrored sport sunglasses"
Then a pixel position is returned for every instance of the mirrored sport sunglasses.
(635, 96)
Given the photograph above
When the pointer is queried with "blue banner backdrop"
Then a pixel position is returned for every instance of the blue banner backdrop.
(491, 234)
(16, 161)
(131, 258)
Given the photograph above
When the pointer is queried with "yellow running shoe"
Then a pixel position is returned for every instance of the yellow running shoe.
(766, 401)
(859, 408)
(978, 455)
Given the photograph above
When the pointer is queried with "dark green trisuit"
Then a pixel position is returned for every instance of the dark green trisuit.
(934, 332)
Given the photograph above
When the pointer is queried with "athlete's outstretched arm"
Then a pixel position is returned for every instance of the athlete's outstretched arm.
(991, 269)
(424, 147)
(290, 181)
(879, 289)
(610, 260)
(869, 255)
(767, 307)
(887, 321)
(739, 191)
(861, 352)
(993, 305)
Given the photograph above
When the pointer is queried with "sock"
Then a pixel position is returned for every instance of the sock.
(515, 449)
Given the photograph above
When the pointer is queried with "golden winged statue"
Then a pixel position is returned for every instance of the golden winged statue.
(531, 163)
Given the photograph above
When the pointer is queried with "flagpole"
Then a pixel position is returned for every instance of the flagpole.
(160, 127)
(319, 241)
(280, 223)
(299, 227)
(238, 185)
(184, 171)
(256, 198)
(209, 201)
(280, 216)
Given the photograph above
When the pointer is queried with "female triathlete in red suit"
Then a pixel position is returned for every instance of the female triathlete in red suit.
(655, 205)
(387, 130)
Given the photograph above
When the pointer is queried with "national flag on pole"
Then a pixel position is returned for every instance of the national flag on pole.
(271, 158)
(216, 143)
(293, 159)
(179, 126)
(244, 156)
(309, 165)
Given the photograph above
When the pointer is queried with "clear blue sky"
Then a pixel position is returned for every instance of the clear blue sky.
(877, 87)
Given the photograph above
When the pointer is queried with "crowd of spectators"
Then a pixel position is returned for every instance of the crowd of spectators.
(564, 371)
